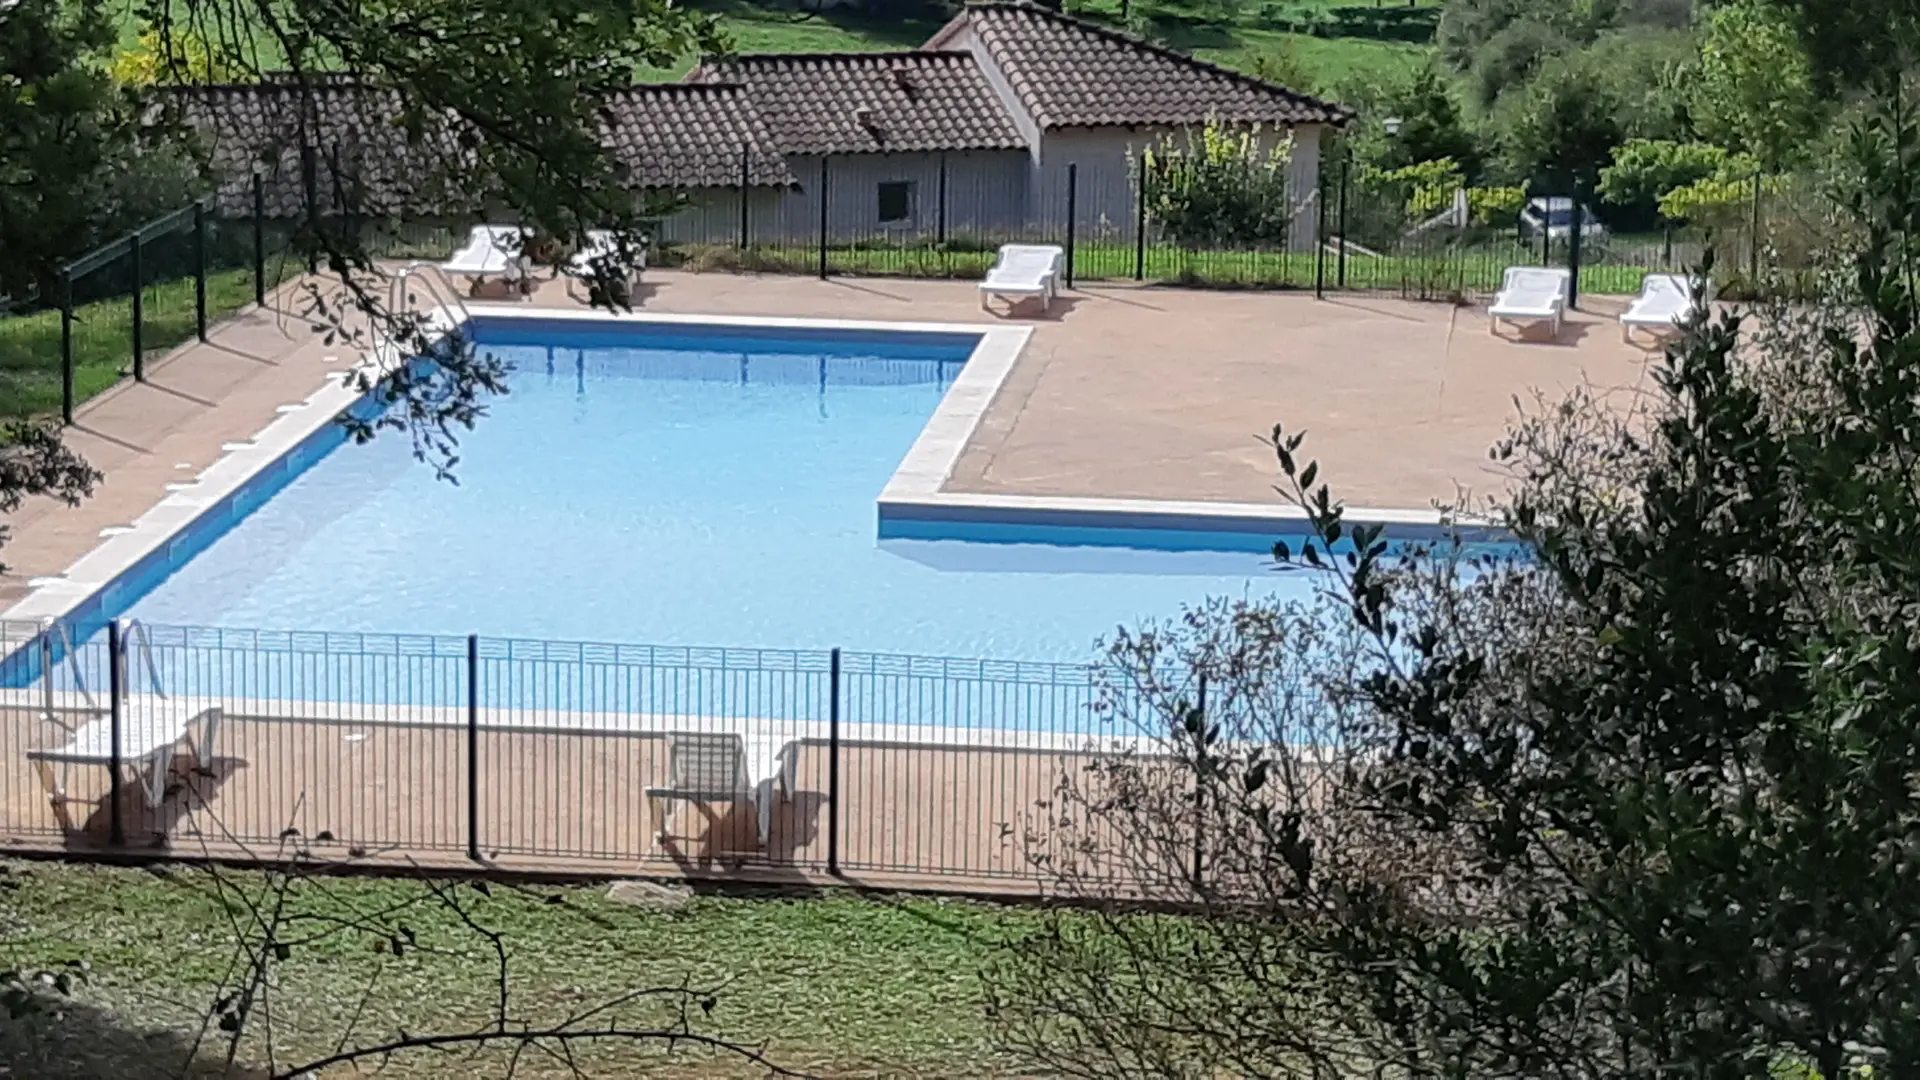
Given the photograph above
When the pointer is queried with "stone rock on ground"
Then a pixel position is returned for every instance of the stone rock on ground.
(649, 894)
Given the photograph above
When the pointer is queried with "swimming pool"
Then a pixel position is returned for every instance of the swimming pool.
(675, 485)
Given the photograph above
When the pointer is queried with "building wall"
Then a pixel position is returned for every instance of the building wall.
(986, 191)
(1105, 199)
(713, 215)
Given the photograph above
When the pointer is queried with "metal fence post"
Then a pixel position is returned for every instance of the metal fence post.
(116, 692)
(746, 181)
(259, 241)
(1576, 229)
(1346, 161)
(66, 347)
(940, 211)
(1200, 783)
(473, 747)
(1073, 206)
(200, 269)
(833, 765)
(1140, 219)
(1320, 236)
(310, 188)
(823, 217)
(1753, 236)
(139, 347)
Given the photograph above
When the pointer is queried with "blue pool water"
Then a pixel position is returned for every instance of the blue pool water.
(676, 487)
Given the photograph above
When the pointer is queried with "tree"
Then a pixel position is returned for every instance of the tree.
(1639, 804)
(1755, 90)
(65, 129)
(1431, 127)
(1852, 44)
(1564, 125)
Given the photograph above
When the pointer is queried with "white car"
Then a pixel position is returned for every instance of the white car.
(1554, 216)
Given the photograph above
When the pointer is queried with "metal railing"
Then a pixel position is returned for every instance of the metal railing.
(560, 755)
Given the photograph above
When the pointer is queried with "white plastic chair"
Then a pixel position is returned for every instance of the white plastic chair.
(602, 246)
(1024, 272)
(1531, 294)
(1665, 301)
(150, 730)
(492, 251)
(711, 767)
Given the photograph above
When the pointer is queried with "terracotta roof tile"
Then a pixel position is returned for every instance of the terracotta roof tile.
(691, 135)
(351, 134)
(1074, 73)
(841, 103)
(667, 136)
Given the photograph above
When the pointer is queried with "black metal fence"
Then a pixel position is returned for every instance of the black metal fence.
(164, 283)
(546, 754)
(946, 217)
(160, 285)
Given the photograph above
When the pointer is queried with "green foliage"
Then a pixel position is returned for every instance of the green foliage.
(1564, 125)
(1730, 190)
(1219, 188)
(1431, 126)
(1645, 170)
(1511, 57)
(1853, 43)
(1498, 206)
(1669, 756)
(65, 131)
(1427, 187)
(1755, 89)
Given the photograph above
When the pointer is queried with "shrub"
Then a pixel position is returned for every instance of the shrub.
(1219, 189)
(1644, 170)
(1496, 205)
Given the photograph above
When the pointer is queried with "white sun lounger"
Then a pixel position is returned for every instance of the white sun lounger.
(491, 251)
(716, 767)
(1024, 272)
(1531, 294)
(1665, 301)
(603, 245)
(151, 728)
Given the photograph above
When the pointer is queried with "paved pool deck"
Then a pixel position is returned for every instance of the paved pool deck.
(1122, 392)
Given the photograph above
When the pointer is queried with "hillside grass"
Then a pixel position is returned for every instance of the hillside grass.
(1326, 61)
(839, 986)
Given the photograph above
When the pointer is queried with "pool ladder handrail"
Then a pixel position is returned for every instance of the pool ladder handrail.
(137, 633)
(440, 288)
(52, 632)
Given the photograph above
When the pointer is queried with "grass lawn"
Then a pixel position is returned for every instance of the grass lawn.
(103, 340)
(840, 986)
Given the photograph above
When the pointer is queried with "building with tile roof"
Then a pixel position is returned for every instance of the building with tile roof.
(1012, 119)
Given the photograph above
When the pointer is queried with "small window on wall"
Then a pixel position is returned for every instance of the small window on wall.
(896, 202)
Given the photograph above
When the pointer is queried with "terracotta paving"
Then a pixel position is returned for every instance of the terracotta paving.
(1122, 391)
